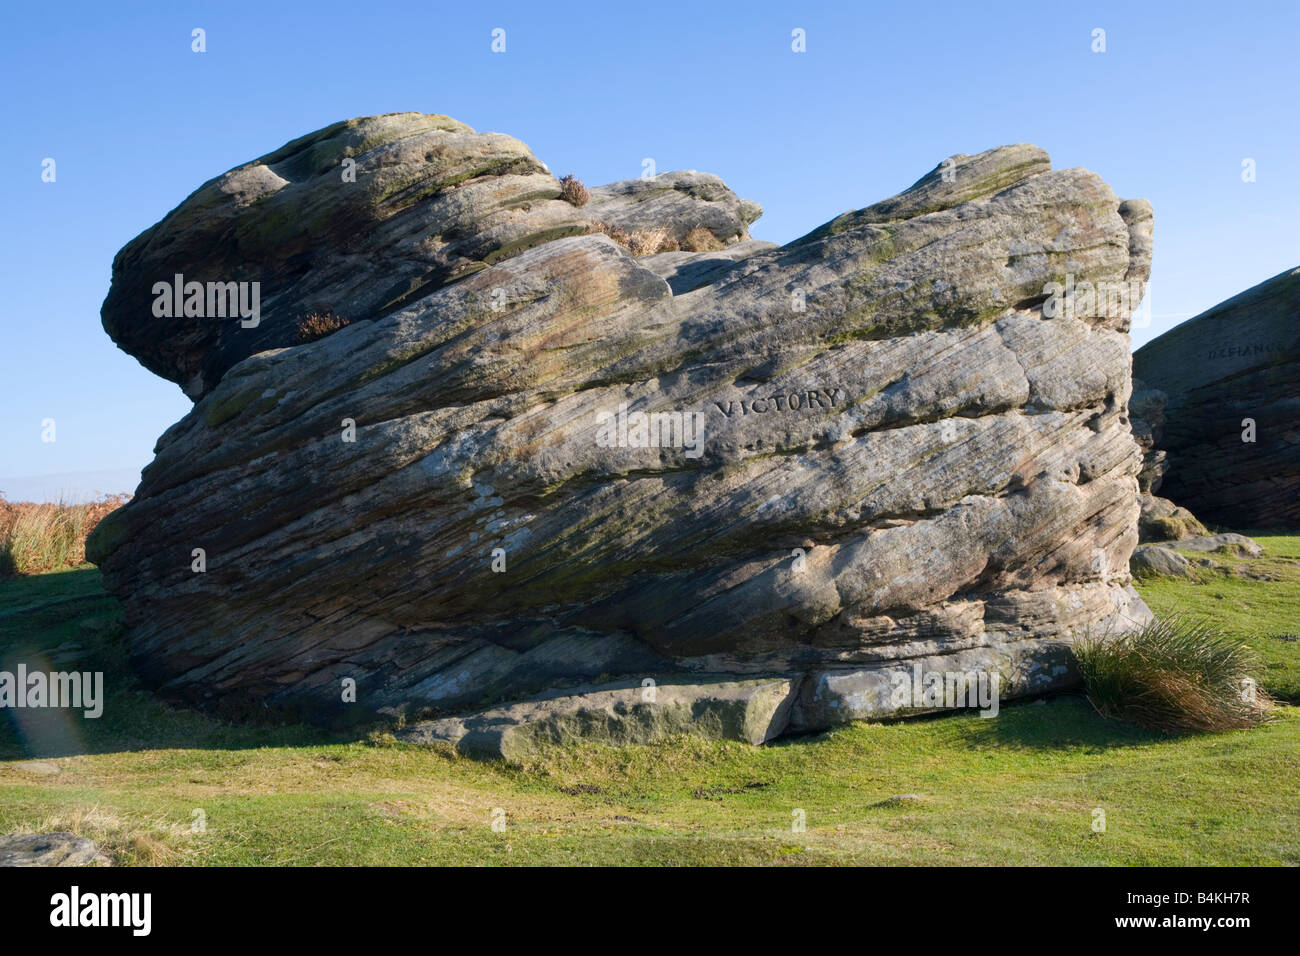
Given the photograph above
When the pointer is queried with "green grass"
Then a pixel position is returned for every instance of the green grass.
(1018, 789)
(1260, 612)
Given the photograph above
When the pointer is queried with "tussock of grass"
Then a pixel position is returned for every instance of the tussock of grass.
(647, 242)
(1174, 675)
(36, 538)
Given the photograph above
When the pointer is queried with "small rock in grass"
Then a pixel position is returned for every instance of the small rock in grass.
(49, 849)
(1153, 560)
(899, 798)
(1229, 543)
(38, 766)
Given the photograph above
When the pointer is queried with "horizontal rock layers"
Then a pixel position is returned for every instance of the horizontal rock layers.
(863, 451)
(1222, 399)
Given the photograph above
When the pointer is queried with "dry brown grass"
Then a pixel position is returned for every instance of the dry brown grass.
(573, 191)
(647, 242)
(700, 239)
(614, 232)
(639, 242)
(37, 538)
(317, 325)
(150, 841)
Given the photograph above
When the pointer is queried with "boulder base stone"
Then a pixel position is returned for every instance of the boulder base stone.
(753, 711)
(1163, 560)
(1021, 667)
(550, 462)
(1202, 381)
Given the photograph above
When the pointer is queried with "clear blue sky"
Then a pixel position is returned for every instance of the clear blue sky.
(136, 121)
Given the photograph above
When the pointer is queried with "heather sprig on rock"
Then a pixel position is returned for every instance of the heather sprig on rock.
(573, 191)
(317, 325)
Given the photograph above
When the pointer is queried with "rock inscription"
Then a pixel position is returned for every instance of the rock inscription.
(783, 401)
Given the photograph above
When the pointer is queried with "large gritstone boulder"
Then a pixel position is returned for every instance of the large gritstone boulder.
(1222, 405)
(895, 447)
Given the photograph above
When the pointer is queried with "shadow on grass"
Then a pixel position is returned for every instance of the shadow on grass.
(66, 622)
(1059, 723)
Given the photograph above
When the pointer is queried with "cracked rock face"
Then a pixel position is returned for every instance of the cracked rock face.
(1224, 391)
(862, 452)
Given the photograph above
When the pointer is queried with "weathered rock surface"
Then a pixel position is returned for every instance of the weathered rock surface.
(687, 271)
(900, 460)
(362, 218)
(49, 849)
(1146, 410)
(359, 218)
(679, 202)
(1202, 380)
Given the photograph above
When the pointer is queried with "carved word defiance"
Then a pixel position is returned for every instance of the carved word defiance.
(784, 402)
(1245, 351)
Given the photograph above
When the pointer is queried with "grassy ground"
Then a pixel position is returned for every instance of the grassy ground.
(1024, 788)
(1258, 598)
